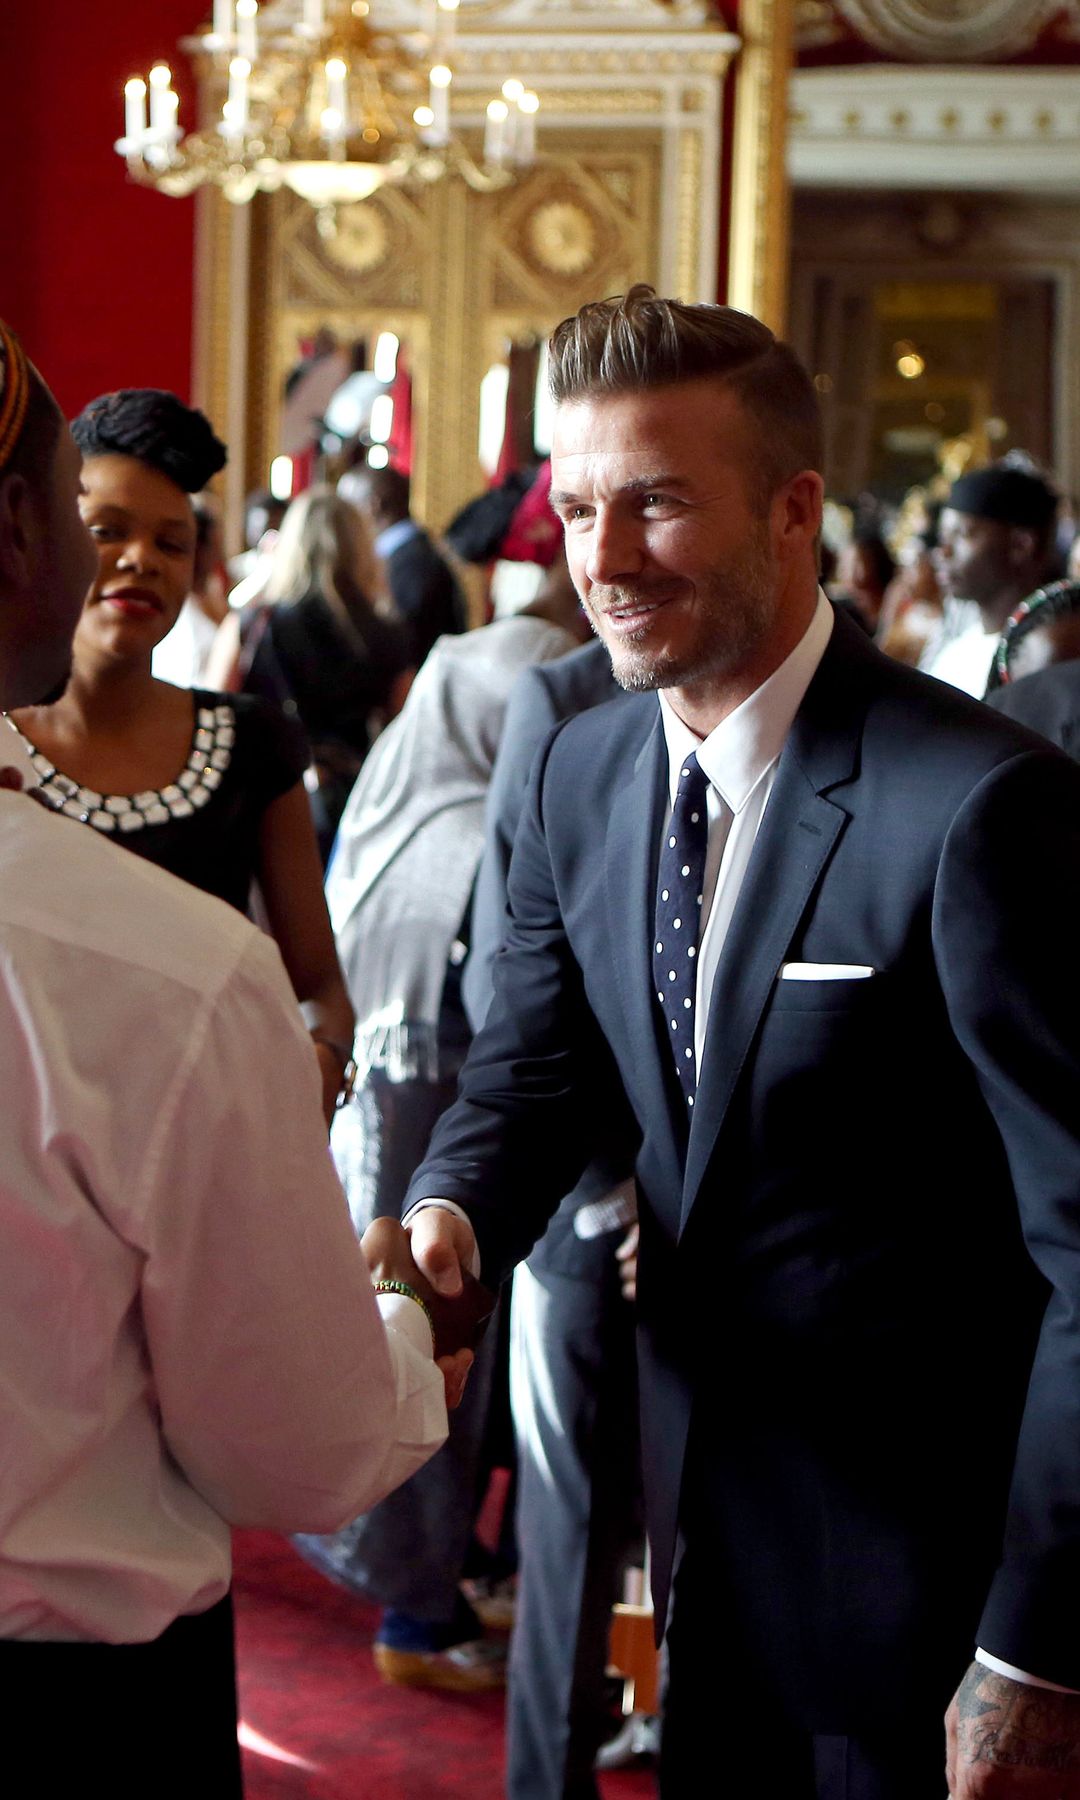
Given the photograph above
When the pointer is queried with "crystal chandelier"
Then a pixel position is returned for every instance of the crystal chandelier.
(313, 96)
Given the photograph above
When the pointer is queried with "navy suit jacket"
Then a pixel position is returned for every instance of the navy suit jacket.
(1048, 702)
(543, 696)
(859, 1281)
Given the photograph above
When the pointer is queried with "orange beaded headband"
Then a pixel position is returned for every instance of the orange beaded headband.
(14, 392)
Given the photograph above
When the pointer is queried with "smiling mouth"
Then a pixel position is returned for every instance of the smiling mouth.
(133, 600)
(627, 614)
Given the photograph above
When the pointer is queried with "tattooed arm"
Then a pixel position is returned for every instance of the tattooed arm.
(1007, 1741)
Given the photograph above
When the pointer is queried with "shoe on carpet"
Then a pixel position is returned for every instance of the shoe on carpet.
(472, 1668)
(637, 1738)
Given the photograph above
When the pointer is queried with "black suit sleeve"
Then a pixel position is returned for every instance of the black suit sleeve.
(1007, 897)
(539, 1081)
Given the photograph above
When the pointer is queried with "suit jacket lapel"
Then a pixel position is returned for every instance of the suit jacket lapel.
(632, 854)
(794, 843)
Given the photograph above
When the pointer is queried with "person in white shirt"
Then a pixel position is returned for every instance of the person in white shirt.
(995, 544)
(189, 1336)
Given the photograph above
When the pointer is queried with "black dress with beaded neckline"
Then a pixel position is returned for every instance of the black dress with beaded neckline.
(204, 826)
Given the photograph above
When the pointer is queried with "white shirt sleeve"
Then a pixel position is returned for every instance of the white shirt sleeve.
(1003, 1668)
(283, 1397)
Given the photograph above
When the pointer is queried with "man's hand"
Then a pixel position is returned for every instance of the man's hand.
(1008, 1741)
(385, 1244)
(444, 1247)
(458, 1320)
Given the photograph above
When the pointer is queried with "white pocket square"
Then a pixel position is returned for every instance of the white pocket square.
(796, 971)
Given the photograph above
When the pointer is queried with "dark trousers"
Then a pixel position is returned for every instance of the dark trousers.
(727, 1734)
(574, 1394)
(129, 1720)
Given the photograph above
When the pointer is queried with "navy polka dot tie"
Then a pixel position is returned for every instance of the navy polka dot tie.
(678, 918)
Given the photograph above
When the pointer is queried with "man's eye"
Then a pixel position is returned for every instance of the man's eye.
(103, 531)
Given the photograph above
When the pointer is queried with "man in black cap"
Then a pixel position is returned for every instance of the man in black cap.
(995, 544)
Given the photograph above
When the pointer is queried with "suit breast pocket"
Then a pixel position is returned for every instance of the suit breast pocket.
(844, 996)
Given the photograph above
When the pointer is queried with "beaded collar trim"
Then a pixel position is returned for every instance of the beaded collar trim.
(210, 755)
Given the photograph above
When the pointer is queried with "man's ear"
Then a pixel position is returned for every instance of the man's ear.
(796, 513)
(18, 530)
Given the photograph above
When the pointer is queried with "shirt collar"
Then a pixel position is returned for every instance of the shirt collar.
(393, 536)
(745, 745)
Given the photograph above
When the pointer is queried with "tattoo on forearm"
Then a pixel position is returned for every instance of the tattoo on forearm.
(1013, 1726)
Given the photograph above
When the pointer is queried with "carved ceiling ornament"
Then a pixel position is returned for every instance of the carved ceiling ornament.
(562, 237)
(948, 30)
(360, 241)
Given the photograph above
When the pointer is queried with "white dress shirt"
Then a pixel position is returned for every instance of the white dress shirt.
(188, 1333)
(966, 661)
(740, 758)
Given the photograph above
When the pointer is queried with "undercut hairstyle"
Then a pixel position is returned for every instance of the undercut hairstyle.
(1058, 600)
(155, 428)
(639, 340)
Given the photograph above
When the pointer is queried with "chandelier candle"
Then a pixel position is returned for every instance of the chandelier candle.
(224, 24)
(528, 107)
(439, 101)
(236, 110)
(162, 110)
(135, 113)
(336, 95)
(247, 31)
(498, 114)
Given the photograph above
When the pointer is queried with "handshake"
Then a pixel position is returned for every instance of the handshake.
(428, 1260)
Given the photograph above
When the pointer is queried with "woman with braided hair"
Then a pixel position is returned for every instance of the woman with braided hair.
(1044, 629)
(208, 785)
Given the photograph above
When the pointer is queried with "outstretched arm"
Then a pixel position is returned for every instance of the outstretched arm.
(1010, 985)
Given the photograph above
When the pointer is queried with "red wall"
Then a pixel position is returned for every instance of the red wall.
(95, 273)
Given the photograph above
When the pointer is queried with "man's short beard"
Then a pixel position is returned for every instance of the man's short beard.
(738, 601)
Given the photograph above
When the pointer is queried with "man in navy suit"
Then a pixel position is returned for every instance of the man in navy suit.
(795, 901)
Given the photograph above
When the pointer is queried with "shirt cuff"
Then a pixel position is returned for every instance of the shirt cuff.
(408, 1318)
(1003, 1668)
(459, 1212)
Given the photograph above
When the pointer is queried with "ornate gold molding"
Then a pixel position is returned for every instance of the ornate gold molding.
(760, 210)
(689, 197)
(626, 189)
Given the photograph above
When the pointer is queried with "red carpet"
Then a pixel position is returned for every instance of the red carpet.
(317, 1724)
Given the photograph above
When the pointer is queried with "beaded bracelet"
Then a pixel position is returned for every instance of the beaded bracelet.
(402, 1287)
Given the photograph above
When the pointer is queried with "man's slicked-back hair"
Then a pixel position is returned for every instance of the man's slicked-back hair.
(639, 340)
